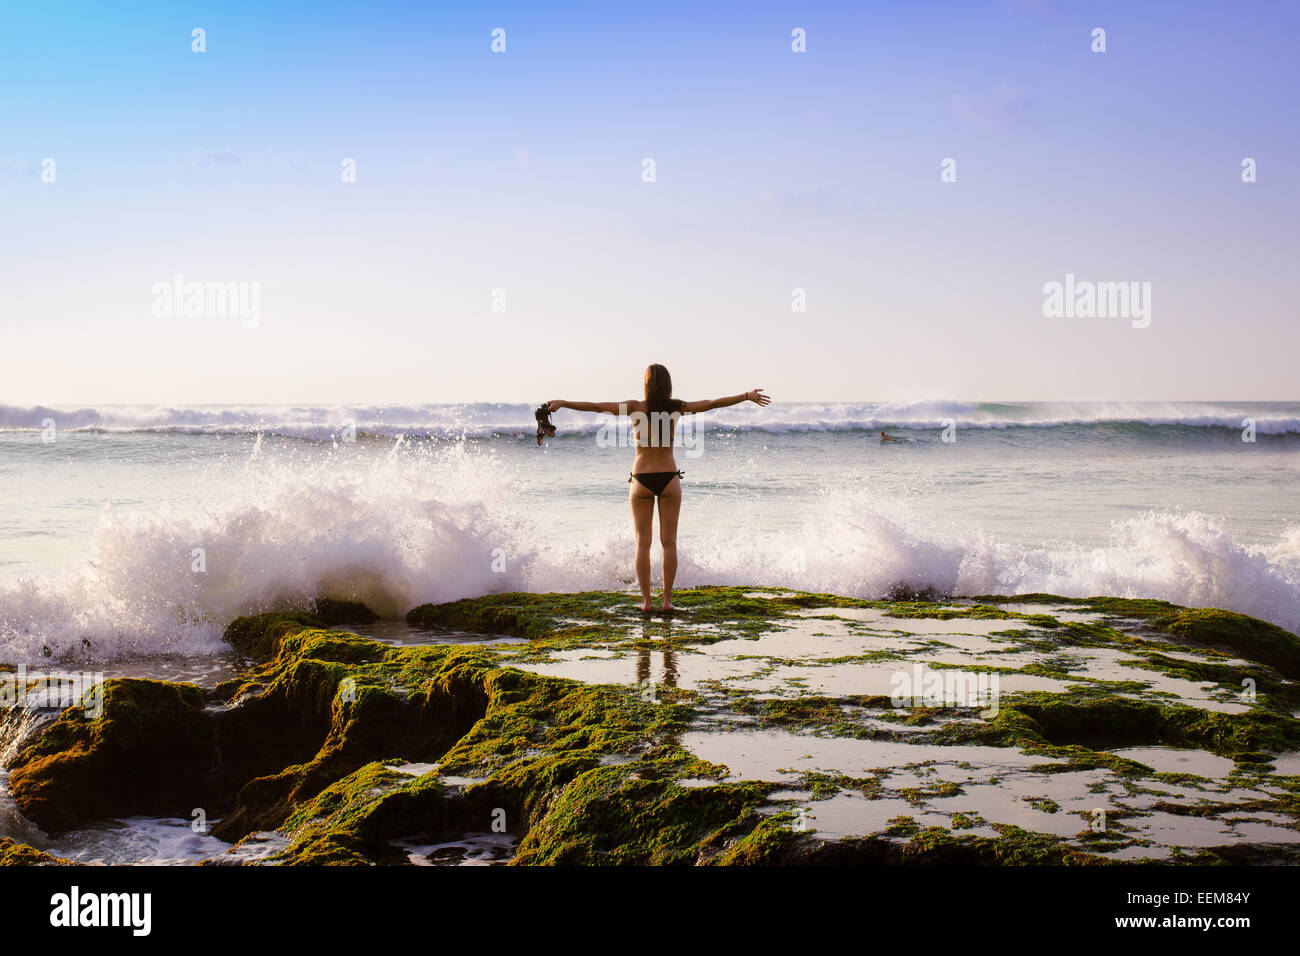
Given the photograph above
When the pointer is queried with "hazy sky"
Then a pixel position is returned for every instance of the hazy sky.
(522, 171)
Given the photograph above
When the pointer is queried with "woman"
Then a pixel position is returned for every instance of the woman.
(654, 473)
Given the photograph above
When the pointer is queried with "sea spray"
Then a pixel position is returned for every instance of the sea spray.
(498, 420)
(396, 526)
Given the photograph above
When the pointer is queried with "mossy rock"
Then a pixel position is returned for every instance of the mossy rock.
(333, 613)
(624, 815)
(259, 636)
(149, 751)
(309, 741)
(337, 720)
(13, 853)
(1248, 637)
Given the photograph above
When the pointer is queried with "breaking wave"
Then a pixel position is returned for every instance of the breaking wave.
(489, 420)
(437, 524)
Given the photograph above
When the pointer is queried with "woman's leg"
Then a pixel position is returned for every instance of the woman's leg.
(670, 506)
(643, 510)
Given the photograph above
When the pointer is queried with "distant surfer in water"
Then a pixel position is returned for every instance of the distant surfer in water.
(888, 438)
(654, 476)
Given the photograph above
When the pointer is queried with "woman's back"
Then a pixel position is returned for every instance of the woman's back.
(655, 431)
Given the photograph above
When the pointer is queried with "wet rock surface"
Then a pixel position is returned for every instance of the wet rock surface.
(752, 726)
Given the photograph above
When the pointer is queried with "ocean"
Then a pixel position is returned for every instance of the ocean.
(134, 532)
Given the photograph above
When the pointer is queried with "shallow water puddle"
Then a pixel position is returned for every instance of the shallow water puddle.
(1179, 760)
(1107, 665)
(810, 643)
(1063, 613)
(203, 671)
(400, 634)
(132, 841)
(811, 656)
(828, 652)
(1064, 805)
(1043, 803)
(853, 815)
(880, 620)
(473, 849)
(1287, 764)
(667, 667)
(877, 679)
(781, 755)
(255, 847)
(412, 769)
(1171, 829)
(142, 841)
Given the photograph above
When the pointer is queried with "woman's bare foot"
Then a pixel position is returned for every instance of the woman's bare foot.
(668, 606)
(645, 606)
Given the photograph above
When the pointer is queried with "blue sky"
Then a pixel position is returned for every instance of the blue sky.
(522, 171)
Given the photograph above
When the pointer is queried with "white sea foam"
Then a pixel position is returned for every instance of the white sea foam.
(866, 548)
(322, 422)
(396, 530)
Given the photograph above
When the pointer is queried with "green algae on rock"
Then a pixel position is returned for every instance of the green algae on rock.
(756, 726)
(1253, 639)
(149, 750)
(13, 853)
(332, 612)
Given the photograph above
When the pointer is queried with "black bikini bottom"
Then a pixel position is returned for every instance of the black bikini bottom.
(656, 481)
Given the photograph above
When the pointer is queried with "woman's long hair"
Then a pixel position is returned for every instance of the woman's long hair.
(659, 390)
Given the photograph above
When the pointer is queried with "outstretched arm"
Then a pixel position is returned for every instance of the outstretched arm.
(612, 408)
(753, 395)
